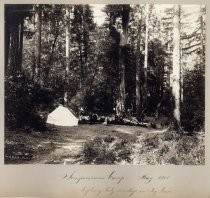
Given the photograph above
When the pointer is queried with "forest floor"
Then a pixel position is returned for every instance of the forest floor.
(100, 144)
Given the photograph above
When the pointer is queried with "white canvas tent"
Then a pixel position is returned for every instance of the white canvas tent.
(62, 116)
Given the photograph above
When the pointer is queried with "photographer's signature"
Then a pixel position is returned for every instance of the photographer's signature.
(26, 156)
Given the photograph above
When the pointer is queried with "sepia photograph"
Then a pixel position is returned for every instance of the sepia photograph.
(104, 84)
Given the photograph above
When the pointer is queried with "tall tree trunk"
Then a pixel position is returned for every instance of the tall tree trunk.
(122, 53)
(7, 43)
(181, 75)
(39, 27)
(67, 55)
(121, 99)
(34, 47)
(169, 68)
(85, 35)
(21, 42)
(82, 49)
(202, 56)
(176, 65)
(138, 70)
(146, 55)
(81, 66)
(14, 49)
(51, 58)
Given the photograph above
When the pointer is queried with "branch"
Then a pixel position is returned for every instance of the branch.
(191, 51)
(190, 36)
(166, 18)
(186, 48)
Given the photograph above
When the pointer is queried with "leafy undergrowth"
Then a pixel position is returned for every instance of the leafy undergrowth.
(106, 150)
(98, 144)
(170, 148)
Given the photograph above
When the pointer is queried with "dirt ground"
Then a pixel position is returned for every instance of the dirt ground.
(64, 145)
(60, 144)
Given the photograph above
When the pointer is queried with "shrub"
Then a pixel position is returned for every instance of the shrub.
(22, 100)
(163, 150)
(186, 144)
(174, 160)
(152, 142)
(170, 136)
(109, 139)
(105, 157)
(105, 151)
(89, 151)
(96, 151)
(124, 154)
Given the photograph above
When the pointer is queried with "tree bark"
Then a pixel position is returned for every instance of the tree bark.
(82, 50)
(34, 47)
(81, 66)
(7, 42)
(67, 55)
(20, 42)
(121, 100)
(14, 22)
(138, 70)
(122, 53)
(51, 57)
(146, 55)
(14, 49)
(202, 56)
(176, 65)
(39, 27)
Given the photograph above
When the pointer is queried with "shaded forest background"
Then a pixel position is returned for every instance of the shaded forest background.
(138, 63)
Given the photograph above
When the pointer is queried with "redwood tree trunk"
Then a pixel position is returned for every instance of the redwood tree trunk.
(67, 55)
(121, 100)
(14, 49)
(50, 58)
(7, 42)
(39, 27)
(138, 71)
(176, 65)
(146, 55)
(122, 53)
(202, 56)
(81, 66)
(20, 42)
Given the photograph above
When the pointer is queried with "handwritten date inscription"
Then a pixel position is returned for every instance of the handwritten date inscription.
(114, 183)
